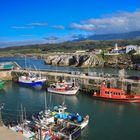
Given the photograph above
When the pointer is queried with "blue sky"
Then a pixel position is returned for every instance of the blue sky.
(58, 20)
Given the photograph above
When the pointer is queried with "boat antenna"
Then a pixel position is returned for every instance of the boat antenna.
(21, 113)
(25, 62)
(25, 113)
(63, 104)
(1, 107)
(17, 113)
(45, 102)
(35, 67)
(50, 99)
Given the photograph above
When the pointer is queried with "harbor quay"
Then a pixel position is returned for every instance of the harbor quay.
(86, 82)
(7, 134)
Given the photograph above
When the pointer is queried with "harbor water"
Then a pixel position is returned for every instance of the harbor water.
(108, 120)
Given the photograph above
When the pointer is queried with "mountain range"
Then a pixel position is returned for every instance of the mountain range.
(118, 36)
(135, 35)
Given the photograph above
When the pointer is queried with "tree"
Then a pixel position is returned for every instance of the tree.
(132, 52)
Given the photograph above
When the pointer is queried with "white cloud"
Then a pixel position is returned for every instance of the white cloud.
(20, 43)
(86, 27)
(57, 27)
(31, 25)
(38, 24)
(115, 23)
(51, 38)
(28, 35)
(22, 27)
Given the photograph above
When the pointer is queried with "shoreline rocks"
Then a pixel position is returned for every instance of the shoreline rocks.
(78, 60)
(92, 60)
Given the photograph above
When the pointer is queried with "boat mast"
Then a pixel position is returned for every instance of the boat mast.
(45, 102)
(21, 113)
(25, 113)
(25, 63)
(1, 107)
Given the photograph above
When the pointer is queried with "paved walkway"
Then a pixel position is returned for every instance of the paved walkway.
(7, 134)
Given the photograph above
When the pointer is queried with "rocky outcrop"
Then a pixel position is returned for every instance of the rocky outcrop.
(84, 60)
(118, 61)
(92, 60)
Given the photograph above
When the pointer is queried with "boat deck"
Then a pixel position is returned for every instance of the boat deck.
(7, 134)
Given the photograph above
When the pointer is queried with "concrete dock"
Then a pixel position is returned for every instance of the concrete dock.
(7, 134)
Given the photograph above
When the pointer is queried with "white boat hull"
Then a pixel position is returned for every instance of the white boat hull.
(64, 92)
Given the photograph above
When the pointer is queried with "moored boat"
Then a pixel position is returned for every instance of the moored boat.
(59, 113)
(74, 119)
(115, 94)
(32, 80)
(63, 88)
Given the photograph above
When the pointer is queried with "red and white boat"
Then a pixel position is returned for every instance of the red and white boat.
(63, 88)
(115, 94)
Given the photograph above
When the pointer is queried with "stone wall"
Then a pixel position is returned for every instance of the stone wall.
(5, 75)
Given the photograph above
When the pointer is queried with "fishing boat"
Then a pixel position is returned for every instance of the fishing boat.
(32, 80)
(24, 126)
(115, 94)
(7, 66)
(74, 119)
(63, 88)
(24, 129)
(2, 83)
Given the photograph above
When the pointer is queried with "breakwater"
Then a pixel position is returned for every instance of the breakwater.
(5, 75)
(86, 82)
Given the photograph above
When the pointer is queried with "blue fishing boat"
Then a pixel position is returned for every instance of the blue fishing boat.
(32, 80)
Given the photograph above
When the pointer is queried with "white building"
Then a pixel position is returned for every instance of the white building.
(80, 51)
(130, 48)
(97, 51)
(138, 50)
(116, 47)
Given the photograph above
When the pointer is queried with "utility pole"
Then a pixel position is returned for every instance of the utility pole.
(1, 107)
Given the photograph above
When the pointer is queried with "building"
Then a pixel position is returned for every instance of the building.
(138, 50)
(118, 50)
(97, 51)
(131, 47)
(116, 47)
(80, 51)
(122, 51)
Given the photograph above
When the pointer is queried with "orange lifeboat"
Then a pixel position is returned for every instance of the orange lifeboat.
(115, 94)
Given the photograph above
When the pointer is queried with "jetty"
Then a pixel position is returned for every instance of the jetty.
(87, 82)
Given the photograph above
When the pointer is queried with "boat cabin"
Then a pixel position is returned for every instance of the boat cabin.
(111, 91)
